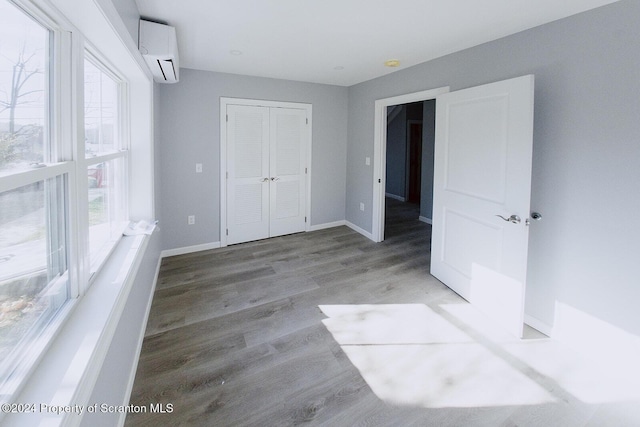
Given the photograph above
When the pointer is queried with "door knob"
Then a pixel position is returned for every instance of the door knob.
(513, 218)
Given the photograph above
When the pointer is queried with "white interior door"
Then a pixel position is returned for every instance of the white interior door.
(248, 177)
(288, 174)
(266, 171)
(482, 188)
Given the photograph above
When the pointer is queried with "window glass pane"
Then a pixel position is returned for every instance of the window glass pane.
(106, 207)
(24, 58)
(33, 265)
(100, 111)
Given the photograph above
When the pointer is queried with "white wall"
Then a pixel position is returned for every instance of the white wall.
(586, 174)
(114, 380)
(112, 385)
(190, 134)
(128, 11)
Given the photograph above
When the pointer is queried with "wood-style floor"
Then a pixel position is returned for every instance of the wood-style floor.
(329, 328)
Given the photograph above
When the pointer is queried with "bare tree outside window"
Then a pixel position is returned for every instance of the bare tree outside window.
(23, 101)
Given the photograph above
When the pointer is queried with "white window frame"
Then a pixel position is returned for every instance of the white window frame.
(60, 141)
(80, 338)
(98, 60)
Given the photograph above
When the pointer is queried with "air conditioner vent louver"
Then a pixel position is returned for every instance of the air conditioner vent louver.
(159, 49)
(167, 69)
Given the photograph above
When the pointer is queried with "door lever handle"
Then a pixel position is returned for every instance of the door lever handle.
(274, 178)
(265, 179)
(513, 218)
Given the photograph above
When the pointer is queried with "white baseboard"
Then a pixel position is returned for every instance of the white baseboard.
(216, 245)
(189, 249)
(393, 196)
(327, 225)
(538, 325)
(425, 219)
(359, 230)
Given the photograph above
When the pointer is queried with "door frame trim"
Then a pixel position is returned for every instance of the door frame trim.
(224, 102)
(380, 152)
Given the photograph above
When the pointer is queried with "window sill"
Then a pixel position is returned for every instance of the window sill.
(61, 384)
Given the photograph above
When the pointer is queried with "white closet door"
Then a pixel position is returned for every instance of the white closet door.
(248, 168)
(288, 178)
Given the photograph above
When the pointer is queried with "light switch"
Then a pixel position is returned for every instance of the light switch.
(367, 161)
(198, 167)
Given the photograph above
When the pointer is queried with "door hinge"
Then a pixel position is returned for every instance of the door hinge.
(227, 231)
(227, 117)
(305, 170)
(227, 175)
(307, 120)
(379, 181)
(305, 219)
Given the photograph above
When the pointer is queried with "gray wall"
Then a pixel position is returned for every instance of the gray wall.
(428, 143)
(190, 133)
(586, 174)
(397, 154)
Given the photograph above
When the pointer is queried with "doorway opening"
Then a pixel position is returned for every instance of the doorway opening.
(410, 138)
(380, 191)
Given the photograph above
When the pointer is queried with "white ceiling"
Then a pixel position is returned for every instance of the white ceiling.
(307, 40)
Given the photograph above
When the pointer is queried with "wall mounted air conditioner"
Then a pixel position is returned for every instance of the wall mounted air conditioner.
(159, 49)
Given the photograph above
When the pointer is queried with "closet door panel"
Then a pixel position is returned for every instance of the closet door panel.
(288, 135)
(248, 168)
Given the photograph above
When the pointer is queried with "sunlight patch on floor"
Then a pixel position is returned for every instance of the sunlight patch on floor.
(389, 324)
(410, 355)
(443, 376)
(590, 372)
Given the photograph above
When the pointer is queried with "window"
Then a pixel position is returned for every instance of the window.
(63, 187)
(34, 197)
(106, 157)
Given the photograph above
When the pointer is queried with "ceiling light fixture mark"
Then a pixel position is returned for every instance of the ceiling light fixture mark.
(392, 63)
(235, 52)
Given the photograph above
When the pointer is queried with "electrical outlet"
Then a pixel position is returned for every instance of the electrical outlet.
(362, 206)
(198, 167)
(191, 219)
